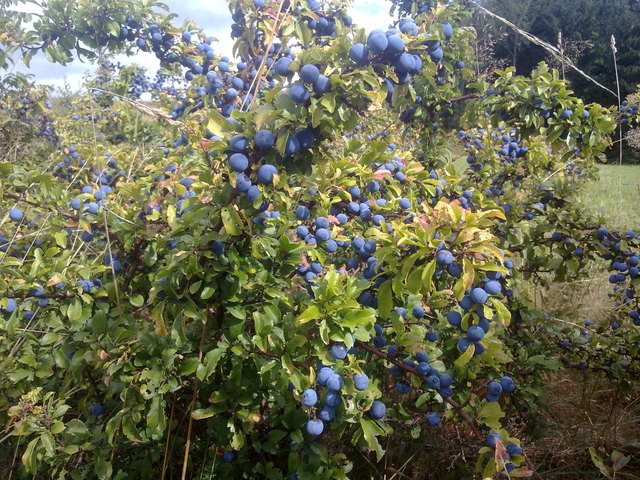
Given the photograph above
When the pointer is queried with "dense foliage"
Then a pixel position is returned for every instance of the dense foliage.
(274, 265)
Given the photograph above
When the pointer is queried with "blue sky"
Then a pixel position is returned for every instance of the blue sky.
(213, 16)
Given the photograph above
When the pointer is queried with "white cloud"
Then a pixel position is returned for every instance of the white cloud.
(371, 14)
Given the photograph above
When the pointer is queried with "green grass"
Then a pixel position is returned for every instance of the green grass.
(616, 195)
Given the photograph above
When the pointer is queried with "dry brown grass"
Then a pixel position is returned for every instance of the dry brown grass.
(584, 408)
(585, 299)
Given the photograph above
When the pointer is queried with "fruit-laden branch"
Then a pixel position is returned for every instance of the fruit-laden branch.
(410, 322)
(412, 370)
(18, 198)
(66, 294)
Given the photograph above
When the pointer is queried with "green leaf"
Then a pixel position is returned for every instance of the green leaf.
(263, 115)
(77, 429)
(207, 292)
(490, 469)
(468, 274)
(74, 311)
(237, 311)
(155, 417)
(316, 115)
(30, 457)
(157, 314)
(49, 445)
(293, 461)
(217, 123)
(422, 399)
(103, 468)
(502, 311)
(619, 460)
(427, 276)
(371, 430)
(281, 142)
(48, 338)
(188, 366)
(151, 254)
(463, 359)
(385, 301)
(311, 313)
(324, 331)
(61, 238)
(209, 363)
(202, 413)
(129, 429)
(57, 427)
(136, 300)
(356, 317)
(490, 414)
(273, 314)
(237, 441)
(71, 449)
(231, 221)
(597, 461)
(261, 323)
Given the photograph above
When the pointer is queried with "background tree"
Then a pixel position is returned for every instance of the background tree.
(580, 21)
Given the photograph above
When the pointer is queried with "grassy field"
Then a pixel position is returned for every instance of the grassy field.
(616, 195)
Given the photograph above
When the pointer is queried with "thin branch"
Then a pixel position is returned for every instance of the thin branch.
(464, 97)
(111, 263)
(166, 446)
(276, 356)
(194, 397)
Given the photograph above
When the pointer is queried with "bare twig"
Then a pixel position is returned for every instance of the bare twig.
(194, 397)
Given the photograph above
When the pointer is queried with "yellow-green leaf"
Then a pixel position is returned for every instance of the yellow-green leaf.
(463, 359)
(311, 313)
(231, 221)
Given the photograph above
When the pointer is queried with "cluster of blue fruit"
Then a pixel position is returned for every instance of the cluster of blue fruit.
(495, 388)
(567, 242)
(334, 383)
(625, 263)
(92, 197)
(198, 60)
(141, 83)
(388, 48)
(511, 450)
(241, 159)
(507, 146)
(26, 110)
(68, 167)
(545, 108)
(438, 381)
(628, 112)
(473, 302)
(625, 267)
(87, 203)
(322, 23)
